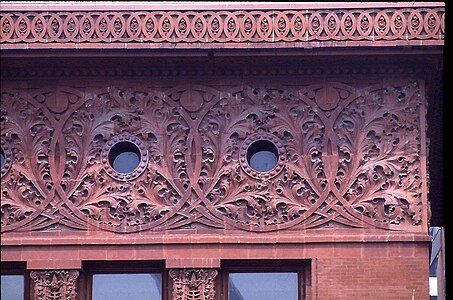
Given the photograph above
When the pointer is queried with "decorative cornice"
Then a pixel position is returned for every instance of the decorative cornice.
(219, 28)
(200, 5)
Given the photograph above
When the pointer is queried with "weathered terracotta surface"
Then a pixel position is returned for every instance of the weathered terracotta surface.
(349, 194)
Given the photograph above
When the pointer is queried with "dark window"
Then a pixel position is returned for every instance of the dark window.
(262, 156)
(127, 286)
(124, 157)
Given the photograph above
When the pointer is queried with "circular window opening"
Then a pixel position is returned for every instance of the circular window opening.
(262, 156)
(2, 158)
(124, 157)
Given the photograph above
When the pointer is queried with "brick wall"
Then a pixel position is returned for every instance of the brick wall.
(391, 276)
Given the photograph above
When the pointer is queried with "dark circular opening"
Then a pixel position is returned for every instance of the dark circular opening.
(124, 157)
(2, 157)
(262, 156)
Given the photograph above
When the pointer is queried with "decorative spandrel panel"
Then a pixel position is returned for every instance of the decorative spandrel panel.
(253, 158)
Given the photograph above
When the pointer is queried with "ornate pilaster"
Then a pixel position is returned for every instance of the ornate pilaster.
(54, 284)
(193, 284)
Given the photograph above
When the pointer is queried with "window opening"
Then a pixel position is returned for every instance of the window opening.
(262, 156)
(124, 157)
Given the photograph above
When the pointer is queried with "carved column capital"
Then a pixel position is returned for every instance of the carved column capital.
(196, 284)
(54, 284)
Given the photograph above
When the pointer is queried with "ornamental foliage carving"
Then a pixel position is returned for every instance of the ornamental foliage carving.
(219, 26)
(193, 284)
(55, 284)
(346, 156)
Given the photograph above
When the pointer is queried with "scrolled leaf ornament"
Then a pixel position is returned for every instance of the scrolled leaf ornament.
(298, 25)
(398, 23)
(6, 27)
(134, 25)
(348, 24)
(415, 24)
(71, 26)
(103, 27)
(23, 27)
(340, 156)
(167, 26)
(215, 26)
(26, 140)
(431, 22)
(382, 24)
(115, 121)
(7, 157)
(38, 25)
(149, 26)
(281, 26)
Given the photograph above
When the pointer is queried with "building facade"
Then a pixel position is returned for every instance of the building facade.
(219, 150)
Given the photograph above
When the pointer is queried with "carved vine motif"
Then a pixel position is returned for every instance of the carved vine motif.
(346, 156)
(27, 185)
(54, 285)
(379, 150)
(424, 23)
(193, 284)
(125, 202)
(265, 203)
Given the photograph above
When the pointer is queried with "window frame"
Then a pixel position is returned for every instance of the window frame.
(300, 267)
(123, 267)
(18, 268)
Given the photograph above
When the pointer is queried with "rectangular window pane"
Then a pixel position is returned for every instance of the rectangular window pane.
(262, 286)
(12, 287)
(127, 286)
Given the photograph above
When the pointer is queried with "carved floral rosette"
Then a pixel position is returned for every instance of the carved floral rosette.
(347, 157)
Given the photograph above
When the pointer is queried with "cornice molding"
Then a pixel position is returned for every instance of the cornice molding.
(301, 25)
(201, 5)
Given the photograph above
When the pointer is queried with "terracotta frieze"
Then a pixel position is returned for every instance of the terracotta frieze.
(223, 28)
(346, 156)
